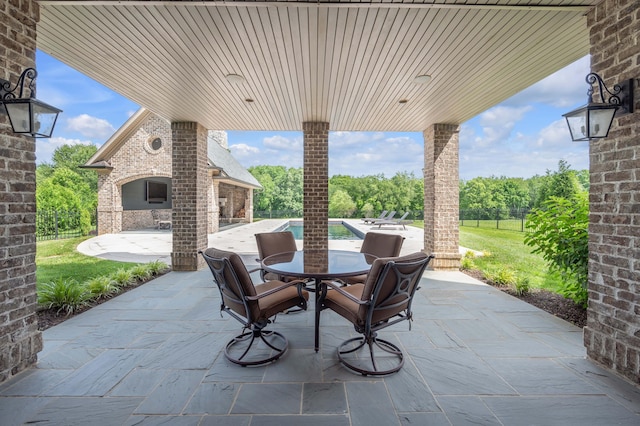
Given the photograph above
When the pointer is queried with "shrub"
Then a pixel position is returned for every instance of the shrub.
(156, 267)
(140, 272)
(122, 277)
(559, 234)
(64, 295)
(521, 286)
(466, 262)
(102, 286)
(85, 222)
(503, 276)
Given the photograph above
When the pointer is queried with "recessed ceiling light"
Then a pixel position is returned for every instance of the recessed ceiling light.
(422, 79)
(403, 101)
(235, 78)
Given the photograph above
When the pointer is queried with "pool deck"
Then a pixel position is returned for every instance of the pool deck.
(152, 244)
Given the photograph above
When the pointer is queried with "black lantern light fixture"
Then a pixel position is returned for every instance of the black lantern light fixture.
(27, 115)
(594, 120)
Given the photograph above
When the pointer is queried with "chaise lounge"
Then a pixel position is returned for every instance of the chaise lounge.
(394, 222)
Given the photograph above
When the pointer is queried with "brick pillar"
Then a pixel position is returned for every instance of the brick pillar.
(189, 195)
(20, 340)
(612, 334)
(441, 195)
(213, 210)
(316, 186)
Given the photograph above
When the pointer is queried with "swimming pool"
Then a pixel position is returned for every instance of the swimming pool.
(337, 231)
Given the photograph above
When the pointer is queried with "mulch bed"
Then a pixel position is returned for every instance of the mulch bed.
(550, 302)
(49, 317)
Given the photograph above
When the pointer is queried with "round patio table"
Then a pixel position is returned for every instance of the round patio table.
(319, 265)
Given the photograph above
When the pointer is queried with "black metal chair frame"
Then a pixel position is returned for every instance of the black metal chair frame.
(405, 288)
(256, 329)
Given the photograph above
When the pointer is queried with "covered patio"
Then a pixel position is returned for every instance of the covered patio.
(321, 67)
(474, 355)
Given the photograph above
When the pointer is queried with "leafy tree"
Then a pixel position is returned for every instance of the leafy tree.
(72, 157)
(282, 188)
(562, 183)
(559, 233)
(341, 204)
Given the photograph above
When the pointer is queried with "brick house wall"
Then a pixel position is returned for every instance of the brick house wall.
(612, 334)
(20, 340)
(136, 159)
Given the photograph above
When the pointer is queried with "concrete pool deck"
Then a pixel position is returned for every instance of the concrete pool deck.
(152, 244)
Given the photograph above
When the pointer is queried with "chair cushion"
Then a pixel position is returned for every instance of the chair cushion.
(279, 301)
(342, 305)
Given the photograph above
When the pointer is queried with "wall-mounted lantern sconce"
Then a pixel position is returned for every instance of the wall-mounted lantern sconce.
(27, 115)
(594, 120)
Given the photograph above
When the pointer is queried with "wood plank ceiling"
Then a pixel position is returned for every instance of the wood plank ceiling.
(347, 63)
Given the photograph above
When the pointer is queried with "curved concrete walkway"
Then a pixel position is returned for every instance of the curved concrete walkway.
(149, 245)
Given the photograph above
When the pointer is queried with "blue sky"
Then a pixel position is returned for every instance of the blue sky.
(521, 137)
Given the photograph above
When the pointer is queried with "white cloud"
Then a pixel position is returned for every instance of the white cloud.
(241, 149)
(46, 147)
(561, 89)
(498, 123)
(555, 133)
(279, 142)
(341, 139)
(91, 127)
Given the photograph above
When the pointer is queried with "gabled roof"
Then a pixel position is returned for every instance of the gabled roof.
(219, 158)
(230, 170)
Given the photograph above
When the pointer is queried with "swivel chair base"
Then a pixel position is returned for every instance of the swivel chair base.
(367, 364)
(244, 343)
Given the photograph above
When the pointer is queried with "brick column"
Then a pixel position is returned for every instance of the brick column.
(612, 334)
(20, 340)
(316, 186)
(213, 210)
(189, 195)
(441, 195)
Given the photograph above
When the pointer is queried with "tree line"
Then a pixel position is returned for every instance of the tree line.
(350, 196)
(282, 191)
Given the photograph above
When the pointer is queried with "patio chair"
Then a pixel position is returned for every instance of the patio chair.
(400, 221)
(379, 245)
(382, 301)
(371, 219)
(270, 243)
(253, 306)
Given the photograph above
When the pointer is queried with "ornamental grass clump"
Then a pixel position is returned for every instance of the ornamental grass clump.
(157, 267)
(140, 272)
(122, 277)
(64, 295)
(102, 286)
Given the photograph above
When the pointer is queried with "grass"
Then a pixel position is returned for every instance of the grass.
(506, 249)
(59, 260)
(506, 252)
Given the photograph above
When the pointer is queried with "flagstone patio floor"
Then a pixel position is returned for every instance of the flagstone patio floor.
(474, 356)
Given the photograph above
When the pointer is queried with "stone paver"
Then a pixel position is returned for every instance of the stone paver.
(474, 355)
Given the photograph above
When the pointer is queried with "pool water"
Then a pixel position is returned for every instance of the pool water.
(337, 231)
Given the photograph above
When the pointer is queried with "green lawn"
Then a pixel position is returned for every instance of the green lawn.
(507, 249)
(56, 259)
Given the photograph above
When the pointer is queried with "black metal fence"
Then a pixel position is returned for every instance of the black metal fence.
(508, 219)
(58, 224)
